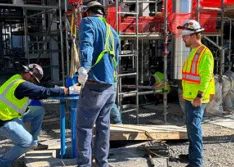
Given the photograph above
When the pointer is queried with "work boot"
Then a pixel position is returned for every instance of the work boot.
(184, 157)
(94, 164)
(40, 147)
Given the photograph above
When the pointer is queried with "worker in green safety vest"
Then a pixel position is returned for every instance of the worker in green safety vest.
(157, 80)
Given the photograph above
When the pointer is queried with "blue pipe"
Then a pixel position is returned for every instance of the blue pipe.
(73, 112)
(62, 128)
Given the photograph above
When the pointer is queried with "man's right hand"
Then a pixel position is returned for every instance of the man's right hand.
(83, 75)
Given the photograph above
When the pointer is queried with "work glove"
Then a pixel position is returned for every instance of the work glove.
(75, 89)
(83, 75)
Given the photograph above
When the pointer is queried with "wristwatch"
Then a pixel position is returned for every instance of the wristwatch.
(199, 95)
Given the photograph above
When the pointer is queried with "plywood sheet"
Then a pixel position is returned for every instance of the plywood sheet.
(147, 132)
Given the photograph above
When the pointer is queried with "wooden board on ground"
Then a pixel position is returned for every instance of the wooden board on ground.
(147, 132)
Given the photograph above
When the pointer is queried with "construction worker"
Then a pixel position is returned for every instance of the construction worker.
(14, 99)
(198, 87)
(99, 49)
(157, 80)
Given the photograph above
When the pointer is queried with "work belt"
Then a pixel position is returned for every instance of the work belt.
(96, 83)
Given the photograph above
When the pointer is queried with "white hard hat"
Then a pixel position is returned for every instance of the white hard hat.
(35, 70)
(190, 27)
(94, 4)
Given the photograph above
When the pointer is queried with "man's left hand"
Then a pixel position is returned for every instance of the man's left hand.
(197, 102)
(83, 75)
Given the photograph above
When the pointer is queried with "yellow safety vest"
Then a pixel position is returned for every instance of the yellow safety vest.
(159, 82)
(10, 106)
(111, 52)
(200, 60)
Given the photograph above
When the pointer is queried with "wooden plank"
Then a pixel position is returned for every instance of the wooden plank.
(145, 132)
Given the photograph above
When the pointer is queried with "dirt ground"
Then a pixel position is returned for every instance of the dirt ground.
(218, 141)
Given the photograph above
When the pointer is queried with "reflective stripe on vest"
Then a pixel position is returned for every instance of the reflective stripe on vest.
(109, 35)
(9, 103)
(157, 78)
(159, 85)
(192, 75)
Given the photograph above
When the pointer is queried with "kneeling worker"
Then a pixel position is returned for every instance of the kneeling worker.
(157, 80)
(14, 100)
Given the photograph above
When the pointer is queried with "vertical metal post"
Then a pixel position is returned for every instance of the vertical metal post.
(198, 11)
(137, 61)
(221, 62)
(47, 27)
(165, 61)
(61, 40)
(26, 34)
(119, 79)
(142, 62)
(10, 31)
(66, 36)
(156, 6)
(230, 44)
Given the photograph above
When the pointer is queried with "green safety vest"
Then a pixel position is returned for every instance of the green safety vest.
(10, 106)
(111, 52)
(159, 82)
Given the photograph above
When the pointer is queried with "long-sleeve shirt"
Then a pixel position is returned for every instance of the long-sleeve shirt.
(92, 36)
(32, 91)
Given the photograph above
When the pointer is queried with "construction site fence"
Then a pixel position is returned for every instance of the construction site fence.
(150, 24)
(127, 24)
(203, 3)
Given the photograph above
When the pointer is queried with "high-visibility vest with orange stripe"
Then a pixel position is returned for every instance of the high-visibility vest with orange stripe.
(197, 74)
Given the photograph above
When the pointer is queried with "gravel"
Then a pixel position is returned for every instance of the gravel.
(218, 141)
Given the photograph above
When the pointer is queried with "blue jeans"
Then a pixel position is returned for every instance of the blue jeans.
(194, 130)
(35, 115)
(115, 115)
(21, 138)
(94, 106)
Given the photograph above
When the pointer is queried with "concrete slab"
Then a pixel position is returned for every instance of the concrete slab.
(226, 121)
(129, 156)
(47, 158)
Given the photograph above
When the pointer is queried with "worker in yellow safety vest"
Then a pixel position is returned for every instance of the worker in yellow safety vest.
(15, 95)
(157, 80)
(198, 87)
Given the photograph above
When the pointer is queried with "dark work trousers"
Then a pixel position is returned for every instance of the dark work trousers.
(94, 106)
